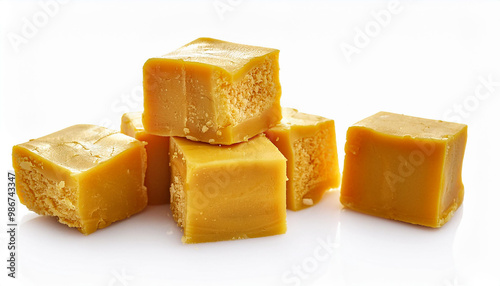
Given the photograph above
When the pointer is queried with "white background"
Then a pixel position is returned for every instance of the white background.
(81, 62)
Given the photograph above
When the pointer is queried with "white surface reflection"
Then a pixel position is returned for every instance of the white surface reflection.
(373, 249)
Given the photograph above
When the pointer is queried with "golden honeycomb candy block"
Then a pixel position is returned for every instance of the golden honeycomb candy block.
(212, 91)
(158, 171)
(227, 192)
(87, 176)
(404, 168)
(309, 144)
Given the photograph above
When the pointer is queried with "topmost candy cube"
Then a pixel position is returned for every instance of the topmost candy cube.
(212, 91)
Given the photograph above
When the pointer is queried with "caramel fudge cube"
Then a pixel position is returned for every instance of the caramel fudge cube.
(404, 168)
(309, 145)
(158, 170)
(227, 192)
(87, 176)
(212, 91)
